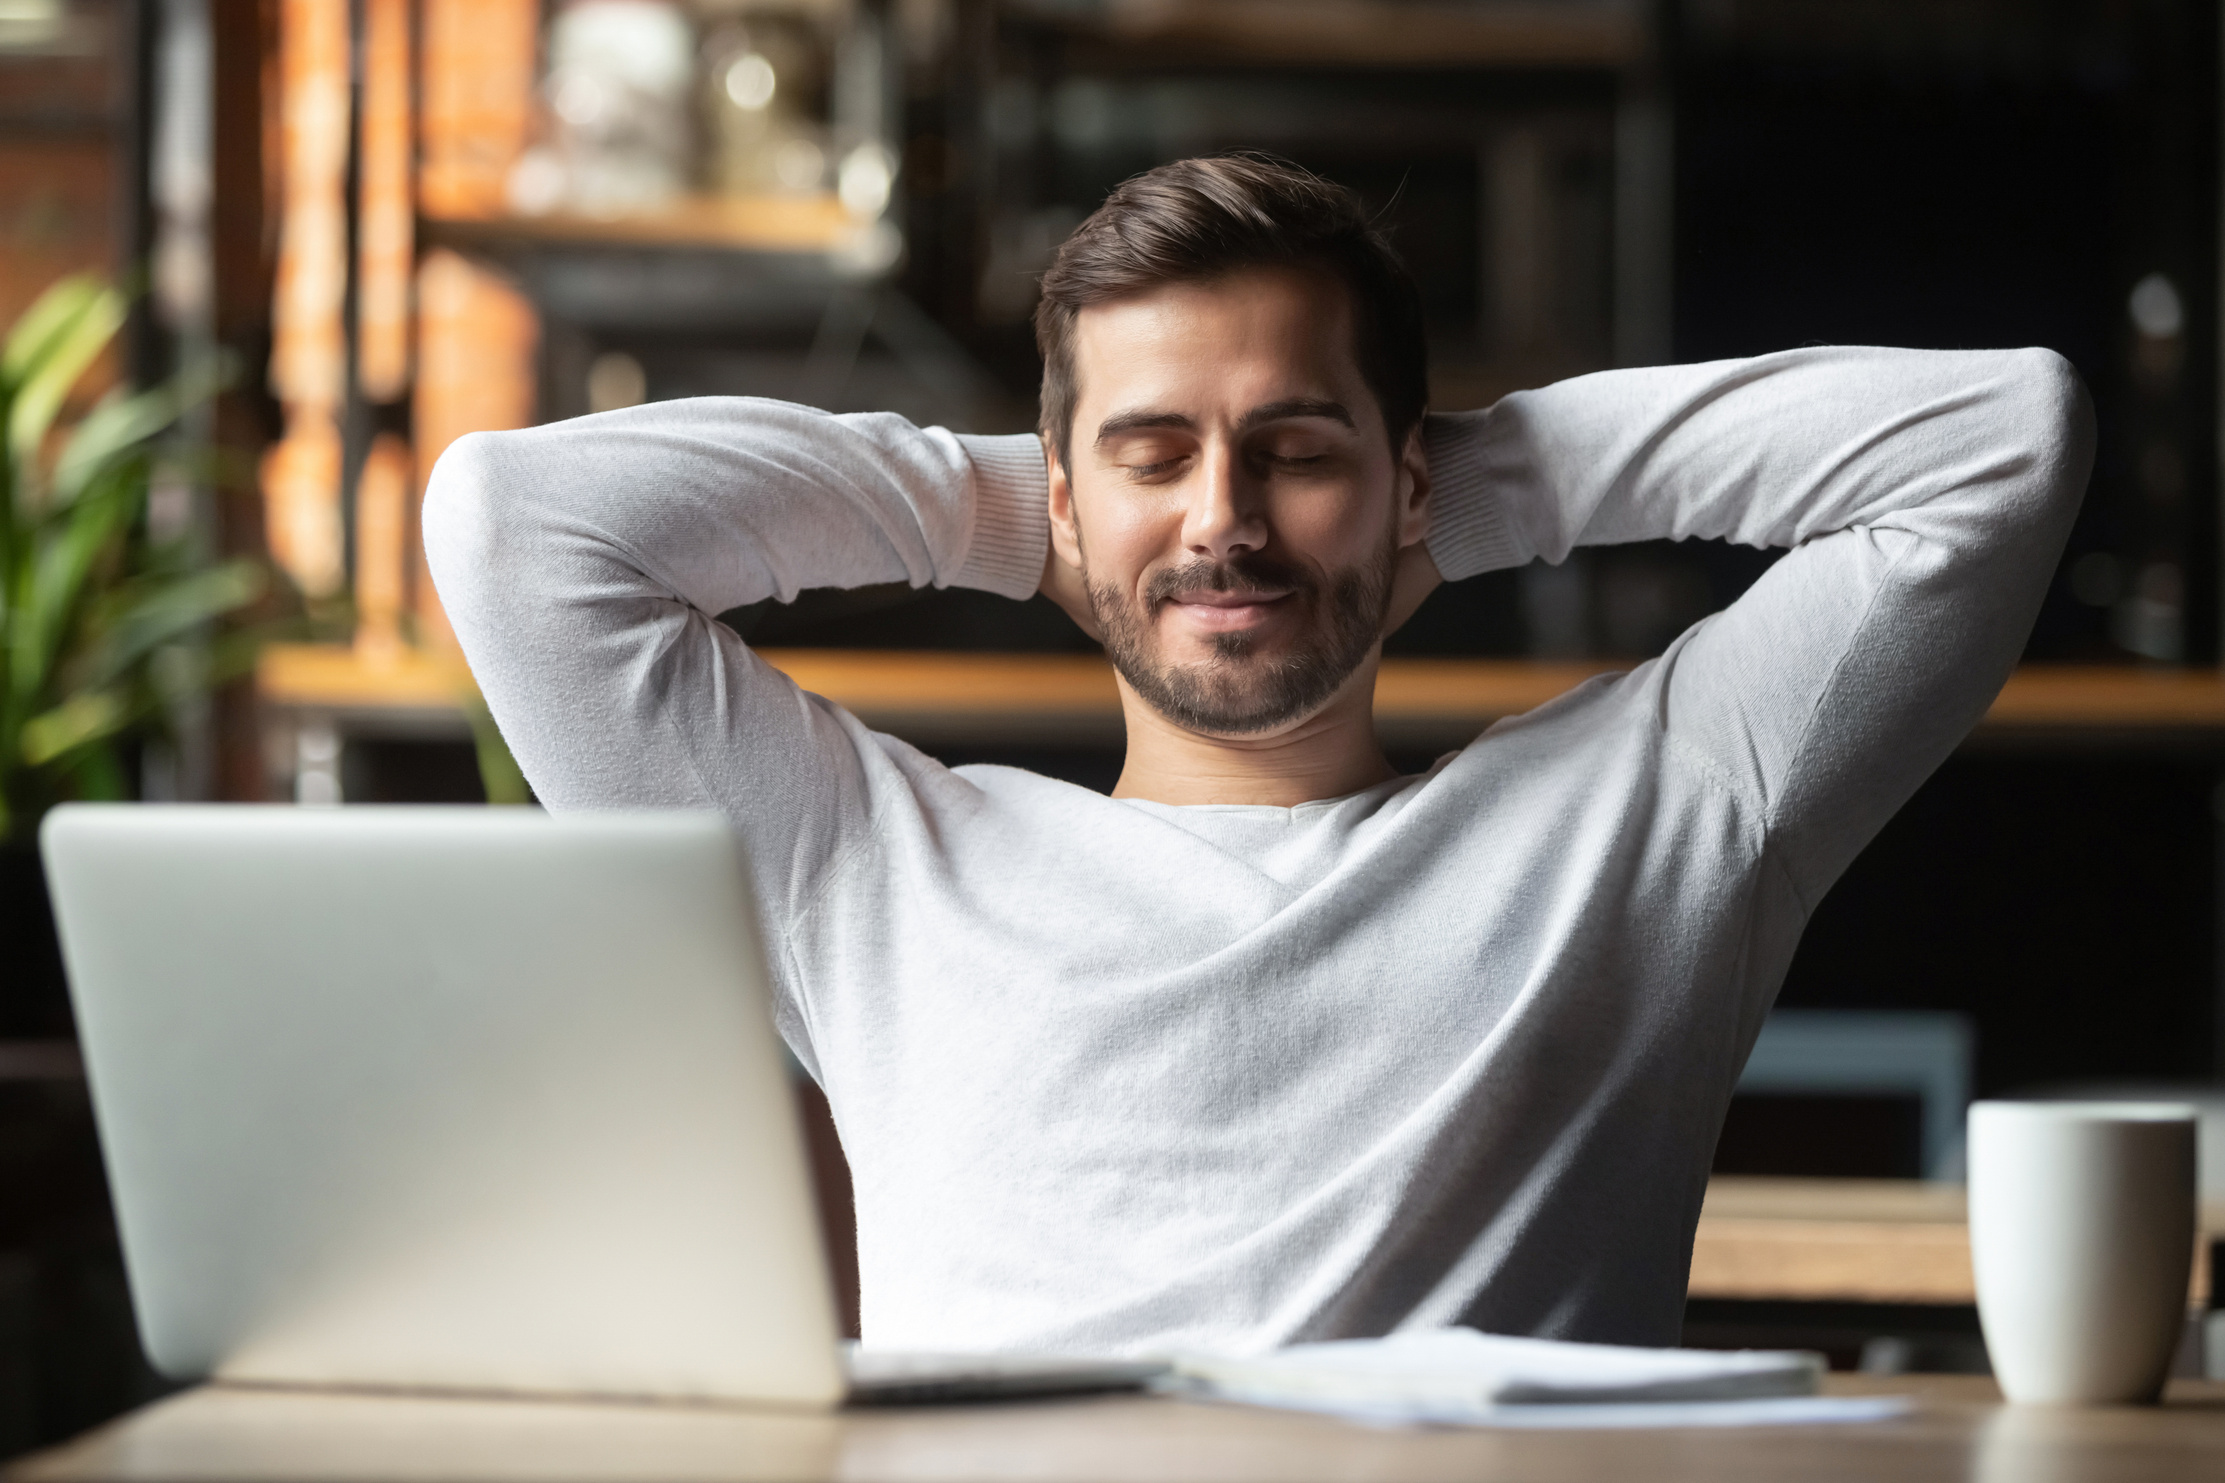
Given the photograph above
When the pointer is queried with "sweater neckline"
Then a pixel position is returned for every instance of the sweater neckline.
(1263, 810)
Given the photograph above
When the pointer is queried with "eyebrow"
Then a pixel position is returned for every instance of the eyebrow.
(1128, 422)
(1283, 411)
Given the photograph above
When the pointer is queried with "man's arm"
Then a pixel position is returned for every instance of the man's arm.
(1925, 496)
(581, 564)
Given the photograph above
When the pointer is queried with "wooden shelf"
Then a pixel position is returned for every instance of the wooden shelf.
(815, 223)
(933, 697)
(334, 677)
(2063, 695)
(1851, 1241)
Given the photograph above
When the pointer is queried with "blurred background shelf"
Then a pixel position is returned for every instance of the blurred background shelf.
(343, 678)
(971, 696)
(814, 223)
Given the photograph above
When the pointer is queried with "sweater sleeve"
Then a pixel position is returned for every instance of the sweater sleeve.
(581, 564)
(1924, 496)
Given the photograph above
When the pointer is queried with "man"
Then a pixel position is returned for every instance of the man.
(1274, 1044)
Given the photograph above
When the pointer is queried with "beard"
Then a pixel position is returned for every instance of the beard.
(1239, 690)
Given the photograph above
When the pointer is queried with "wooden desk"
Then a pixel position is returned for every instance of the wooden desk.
(1851, 1241)
(1958, 1431)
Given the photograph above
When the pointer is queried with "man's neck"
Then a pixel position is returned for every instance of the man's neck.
(1329, 754)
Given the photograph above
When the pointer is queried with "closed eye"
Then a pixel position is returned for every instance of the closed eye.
(1297, 463)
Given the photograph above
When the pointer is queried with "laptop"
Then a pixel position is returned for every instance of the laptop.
(460, 1099)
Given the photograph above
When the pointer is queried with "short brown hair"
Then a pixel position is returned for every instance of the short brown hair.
(1198, 219)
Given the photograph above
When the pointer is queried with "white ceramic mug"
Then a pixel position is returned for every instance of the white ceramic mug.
(2082, 1232)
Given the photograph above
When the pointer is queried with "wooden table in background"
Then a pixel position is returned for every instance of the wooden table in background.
(1832, 1240)
(1851, 1241)
(1959, 1430)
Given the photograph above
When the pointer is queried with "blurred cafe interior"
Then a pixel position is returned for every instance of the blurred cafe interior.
(369, 228)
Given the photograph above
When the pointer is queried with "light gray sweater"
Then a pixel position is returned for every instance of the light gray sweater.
(1116, 1075)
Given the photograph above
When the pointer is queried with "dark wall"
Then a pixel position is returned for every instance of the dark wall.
(1955, 175)
(2067, 902)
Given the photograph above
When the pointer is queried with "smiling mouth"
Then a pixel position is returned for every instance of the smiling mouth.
(1228, 611)
(1256, 597)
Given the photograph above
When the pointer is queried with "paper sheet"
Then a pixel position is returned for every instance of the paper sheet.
(1458, 1376)
(1774, 1411)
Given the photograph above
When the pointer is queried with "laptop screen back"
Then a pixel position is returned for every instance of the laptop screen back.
(461, 1098)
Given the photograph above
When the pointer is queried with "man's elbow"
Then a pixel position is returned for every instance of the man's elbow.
(2055, 418)
(463, 516)
(470, 523)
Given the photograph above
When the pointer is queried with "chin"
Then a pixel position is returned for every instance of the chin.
(1239, 691)
(1274, 730)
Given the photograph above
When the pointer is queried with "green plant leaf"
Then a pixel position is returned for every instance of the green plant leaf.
(103, 630)
(97, 773)
(48, 378)
(122, 424)
(85, 717)
(171, 610)
(53, 590)
(48, 318)
(117, 428)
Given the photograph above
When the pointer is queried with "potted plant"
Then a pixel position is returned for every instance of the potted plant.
(102, 626)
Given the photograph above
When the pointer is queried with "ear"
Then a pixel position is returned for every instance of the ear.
(1066, 540)
(1062, 565)
(1413, 488)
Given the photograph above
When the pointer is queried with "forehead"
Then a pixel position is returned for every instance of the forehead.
(1258, 335)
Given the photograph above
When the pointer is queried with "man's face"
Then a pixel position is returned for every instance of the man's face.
(1232, 498)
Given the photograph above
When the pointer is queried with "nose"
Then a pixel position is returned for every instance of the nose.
(1225, 515)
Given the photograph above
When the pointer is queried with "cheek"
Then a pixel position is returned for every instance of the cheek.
(1337, 529)
(1122, 534)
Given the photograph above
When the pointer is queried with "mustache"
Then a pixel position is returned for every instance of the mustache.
(1243, 572)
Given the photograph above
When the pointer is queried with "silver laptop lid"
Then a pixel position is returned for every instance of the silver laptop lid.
(467, 1097)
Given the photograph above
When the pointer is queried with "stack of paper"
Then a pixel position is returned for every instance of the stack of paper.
(1462, 1377)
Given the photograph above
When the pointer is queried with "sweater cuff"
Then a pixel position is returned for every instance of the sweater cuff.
(1468, 529)
(1011, 516)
